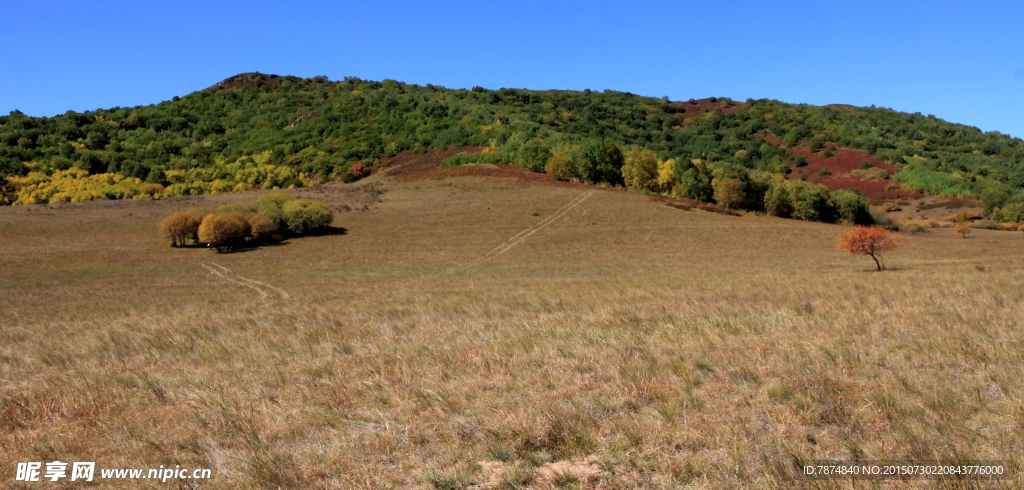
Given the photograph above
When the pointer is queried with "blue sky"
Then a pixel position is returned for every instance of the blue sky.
(961, 61)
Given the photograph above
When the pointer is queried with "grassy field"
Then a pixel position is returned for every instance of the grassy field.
(482, 332)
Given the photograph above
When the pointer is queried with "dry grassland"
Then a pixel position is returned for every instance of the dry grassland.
(481, 333)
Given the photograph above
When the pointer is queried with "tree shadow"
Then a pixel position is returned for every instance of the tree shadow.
(191, 245)
(275, 241)
(326, 231)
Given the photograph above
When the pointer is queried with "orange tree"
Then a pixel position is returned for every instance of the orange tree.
(868, 240)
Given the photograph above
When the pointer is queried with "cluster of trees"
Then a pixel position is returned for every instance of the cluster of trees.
(268, 218)
(72, 185)
(727, 184)
(736, 187)
(262, 131)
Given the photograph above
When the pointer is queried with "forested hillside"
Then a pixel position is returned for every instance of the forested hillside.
(265, 131)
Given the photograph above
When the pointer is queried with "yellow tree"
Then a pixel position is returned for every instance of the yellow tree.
(963, 229)
(963, 224)
(561, 167)
(728, 192)
(666, 174)
(640, 169)
(222, 230)
(179, 227)
(261, 227)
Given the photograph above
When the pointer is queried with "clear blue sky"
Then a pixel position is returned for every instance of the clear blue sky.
(962, 61)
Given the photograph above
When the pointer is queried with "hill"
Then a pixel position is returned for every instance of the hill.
(485, 325)
(256, 131)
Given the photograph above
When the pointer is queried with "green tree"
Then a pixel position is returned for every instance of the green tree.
(607, 159)
(811, 202)
(305, 215)
(533, 155)
(694, 183)
(569, 162)
(777, 201)
(852, 207)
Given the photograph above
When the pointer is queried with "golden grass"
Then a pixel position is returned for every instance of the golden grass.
(682, 349)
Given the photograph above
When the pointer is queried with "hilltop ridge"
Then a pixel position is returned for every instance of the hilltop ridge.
(255, 130)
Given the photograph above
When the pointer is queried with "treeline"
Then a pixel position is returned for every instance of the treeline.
(269, 218)
(727, 184)
(263, 131)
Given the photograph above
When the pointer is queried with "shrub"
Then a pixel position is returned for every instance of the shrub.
(824, 172)
(152, 190)
(223, 230)
(913, 227)
(873, 173)
(464, 158)
(180, 226)
(305, 215)
(868, 240)
(358, 170)
(985, 224)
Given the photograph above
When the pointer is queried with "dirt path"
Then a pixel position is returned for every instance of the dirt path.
(523, 235)
(263, 288)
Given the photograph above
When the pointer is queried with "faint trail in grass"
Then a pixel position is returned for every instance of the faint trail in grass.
(263, 294)
(231, 276)
(284, 294)
(523, 235)
(510, 243)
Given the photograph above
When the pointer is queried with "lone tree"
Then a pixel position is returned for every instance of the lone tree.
(868, 240)
(963, 229)
(963, 224)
